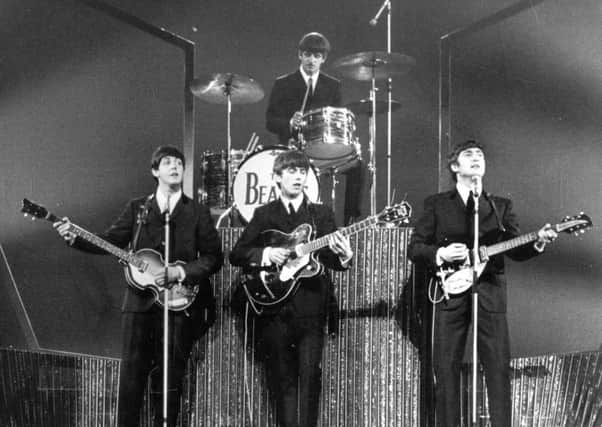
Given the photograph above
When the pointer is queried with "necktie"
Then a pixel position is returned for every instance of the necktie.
(291, 209)
(470, 216)
(470, 204)
(310, 92)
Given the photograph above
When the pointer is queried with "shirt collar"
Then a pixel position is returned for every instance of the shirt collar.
(297, 201)
(173, 200)
(464, 191)
(314, 78)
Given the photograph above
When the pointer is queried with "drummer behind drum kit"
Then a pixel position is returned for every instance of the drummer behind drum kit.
(242, 179)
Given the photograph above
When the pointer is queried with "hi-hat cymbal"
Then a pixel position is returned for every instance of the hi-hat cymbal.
(215, 89)
(364, 106)
(378, 65)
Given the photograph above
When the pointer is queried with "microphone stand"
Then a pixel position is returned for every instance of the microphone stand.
(166, 316)
(475, 303)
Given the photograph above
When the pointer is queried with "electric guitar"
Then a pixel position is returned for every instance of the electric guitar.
(140, 267)
(269, 286)
(456, 278)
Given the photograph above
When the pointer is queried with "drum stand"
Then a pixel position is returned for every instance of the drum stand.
(333, 171)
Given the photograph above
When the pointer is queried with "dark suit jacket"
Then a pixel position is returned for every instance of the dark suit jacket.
(194, 240)
(312, 296)
(445, 221)
(287, 97)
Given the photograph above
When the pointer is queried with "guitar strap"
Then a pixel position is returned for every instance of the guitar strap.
(500, 225)
(140, 220)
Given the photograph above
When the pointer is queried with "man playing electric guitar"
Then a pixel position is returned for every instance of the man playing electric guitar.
(291, 334)
(443, 235)
(193, 240)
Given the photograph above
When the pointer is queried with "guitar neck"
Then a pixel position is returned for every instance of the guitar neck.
(501, 247)
(125, 256)
(322, 242)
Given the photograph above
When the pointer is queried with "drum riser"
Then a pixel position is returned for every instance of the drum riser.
(370, 371)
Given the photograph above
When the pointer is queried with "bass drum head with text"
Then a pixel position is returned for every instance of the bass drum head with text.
(253, 185)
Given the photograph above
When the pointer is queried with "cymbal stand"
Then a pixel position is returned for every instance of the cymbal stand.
(228, 93)
(372, 149)
(389, 102)
(387, 5)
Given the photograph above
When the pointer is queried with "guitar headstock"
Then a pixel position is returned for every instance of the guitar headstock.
(397, 214)
(34, 210)
(576, 224)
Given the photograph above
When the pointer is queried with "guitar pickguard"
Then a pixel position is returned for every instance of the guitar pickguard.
(456, 281)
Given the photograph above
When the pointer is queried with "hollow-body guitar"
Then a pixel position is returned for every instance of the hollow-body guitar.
(140, 266)
(271, 285)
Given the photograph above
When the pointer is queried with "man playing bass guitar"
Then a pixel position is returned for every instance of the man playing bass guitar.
(195, 242)
(291, 334)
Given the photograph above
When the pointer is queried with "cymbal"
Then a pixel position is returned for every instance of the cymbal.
(216, 87)
(378, 65)
(364, 106)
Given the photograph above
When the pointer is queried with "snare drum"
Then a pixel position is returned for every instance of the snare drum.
(214, 177)
(329, 133)
(254, 185)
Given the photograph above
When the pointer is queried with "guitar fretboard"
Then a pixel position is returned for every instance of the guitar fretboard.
(566, 226)
(498, 248)
(128, 257)
(322, 242)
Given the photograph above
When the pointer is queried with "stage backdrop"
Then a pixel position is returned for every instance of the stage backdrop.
(84, 99)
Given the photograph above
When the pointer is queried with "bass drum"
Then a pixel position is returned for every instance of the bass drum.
(254, 186)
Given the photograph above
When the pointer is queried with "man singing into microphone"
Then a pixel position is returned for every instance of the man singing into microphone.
(307, 89)
(443, 234)
(193, 240)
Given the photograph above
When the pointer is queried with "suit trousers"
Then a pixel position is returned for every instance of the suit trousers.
(292, 349)
(449, 342)
(142, 352)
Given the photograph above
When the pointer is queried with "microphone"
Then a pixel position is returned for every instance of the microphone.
(374, 20)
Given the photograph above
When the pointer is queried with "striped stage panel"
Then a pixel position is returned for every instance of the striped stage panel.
(56, 389)
(560, 390)
(370, 370)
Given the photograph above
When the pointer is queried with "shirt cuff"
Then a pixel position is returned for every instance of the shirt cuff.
(438, 259)
(539, 246)
(265, 257)
(182, 275)
(345, 261)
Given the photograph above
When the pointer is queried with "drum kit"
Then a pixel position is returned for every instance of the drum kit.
(242, 179)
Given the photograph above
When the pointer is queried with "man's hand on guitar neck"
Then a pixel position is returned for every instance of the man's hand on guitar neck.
(62, 227)
(545, 235)
(339, 244)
